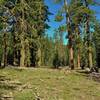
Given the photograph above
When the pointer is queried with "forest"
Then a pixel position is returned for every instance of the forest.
(28, 40)
(23, 41)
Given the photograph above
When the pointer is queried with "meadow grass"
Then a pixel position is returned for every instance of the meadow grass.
(47, 84)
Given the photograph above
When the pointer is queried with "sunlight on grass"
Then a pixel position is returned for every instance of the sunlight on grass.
(48, 84)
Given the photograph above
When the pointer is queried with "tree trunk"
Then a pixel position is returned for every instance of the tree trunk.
(90, 58)
(22, 53)
(39, 57)
(78, 59)
(0, 63)
(14, 50)
(27, 53)
(5, 50)
(90, 63)
(88, 34)
(71, 57)
(14, 57)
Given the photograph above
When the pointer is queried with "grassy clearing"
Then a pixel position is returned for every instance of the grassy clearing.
(47, 84)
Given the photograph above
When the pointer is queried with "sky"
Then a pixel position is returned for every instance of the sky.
(53, 8)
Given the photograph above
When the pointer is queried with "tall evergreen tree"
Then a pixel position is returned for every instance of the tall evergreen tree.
(69, 30)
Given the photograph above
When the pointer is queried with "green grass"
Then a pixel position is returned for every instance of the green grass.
(48, 84)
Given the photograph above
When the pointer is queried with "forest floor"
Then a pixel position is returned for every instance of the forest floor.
(47, 84)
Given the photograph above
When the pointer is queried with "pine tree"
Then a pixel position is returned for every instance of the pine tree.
(96, 39)
(69, 30)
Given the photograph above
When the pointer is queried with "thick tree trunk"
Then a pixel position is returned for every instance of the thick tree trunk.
(22, 53)
(71, 53)
(88, 33)
(78, 44)
(71, 57)
(27, 53)
(90, 63)
(90, 58)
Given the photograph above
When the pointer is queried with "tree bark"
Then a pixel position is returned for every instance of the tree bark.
(5, 50)
(71, 58)
(90, 58)
(14, 50)
(90, 63)
(39, 57)
(22, 53)
(14, 58)
(78, 59)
